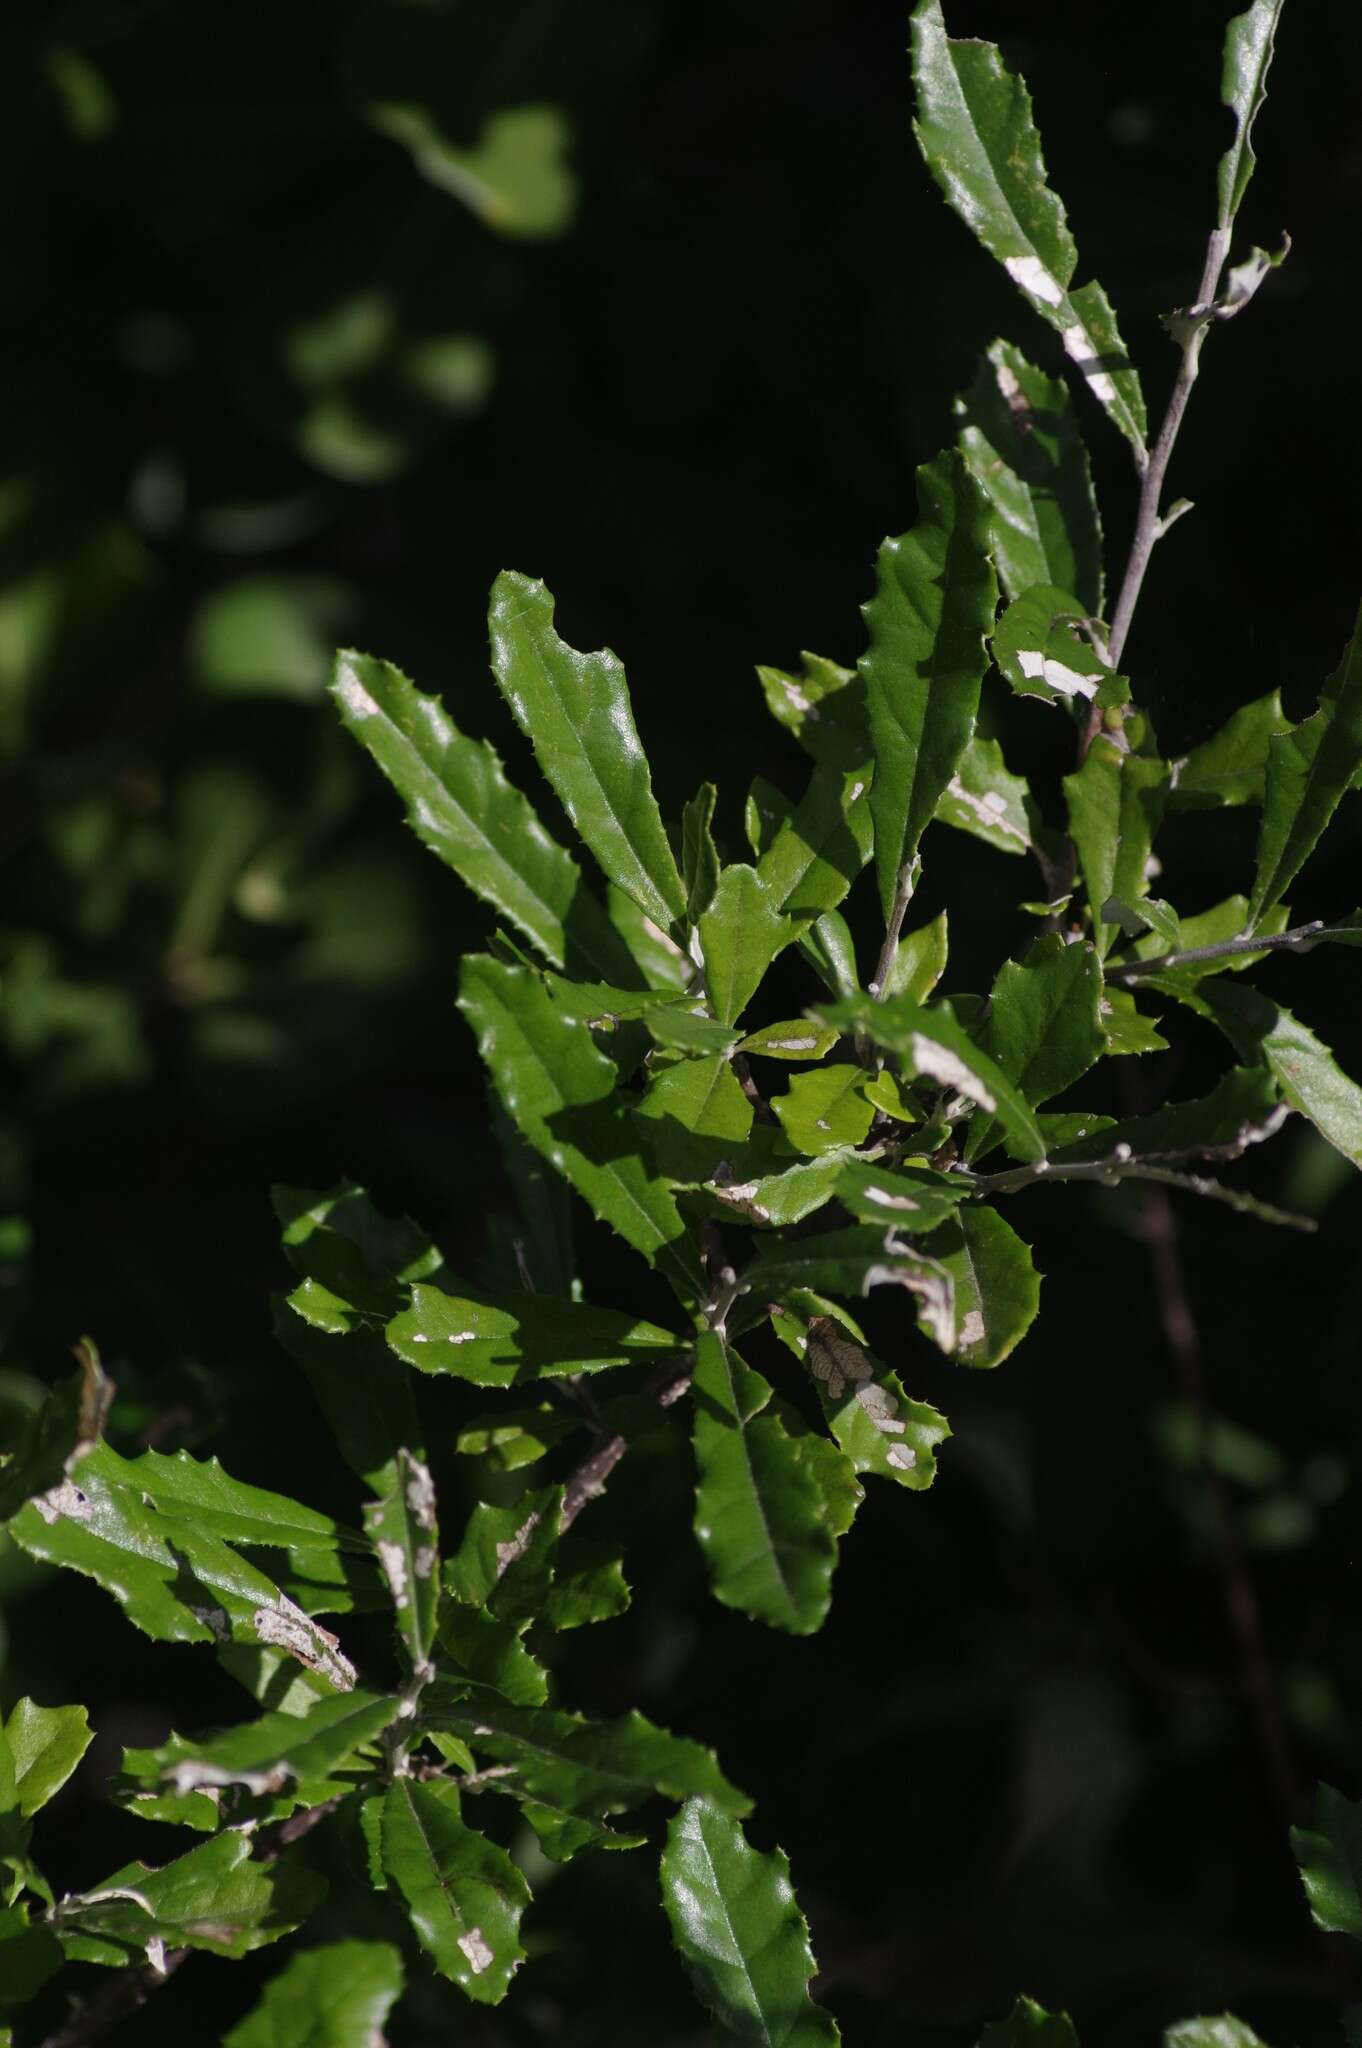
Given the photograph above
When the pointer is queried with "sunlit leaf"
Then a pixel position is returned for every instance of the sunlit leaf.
(699, 855)
(1039, 649)
(1043, 1027)
(1248, 53)
(45, 1744)
(1330, 1859)
(919, 963)
(695, 1114)
(852, 1262)
(1231, 766)
(1241, 1110)
(931, 1044)
(824, 1109)
(799, 1038)
(1115, 803)
(986, 800)
(817, 851)
(514, 177)
(997, 1288)
(740, 935)
(215, 1897)
(1028, 2025)
(335, 1996)
(1306, 1071)
(463, 1893)
(402, 1528)
(1309, 768)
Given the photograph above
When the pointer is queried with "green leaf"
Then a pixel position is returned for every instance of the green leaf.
(587, 1768)
(463, 1893)
(823, 706)
(1242, 1109)
(997, 1288)
(820, 848)
(1221, 2031)
(510, 1439)
(71, 1417)
(852, 1262)
(1038, 648)
(1330, 1859)
(1248, 53)
(695, 1114)
(1305, 1069)
(29, 1955)
(45, 1745)
(545, 1204)
(1308, 770)
(335, 1996)
(778, 1199)
(1028, 2025)
(518, 1338)
(831, 951)
(355, 1262)
(986, 800)
(933, 604)
(740, 1933)
(684, 1030)
(826, 1109)
(740, 935)
(1125, 1028)
(402, 1528)
(266, 1754)
(699, 854)
(575, 710)
(504, 1562)
(799, 1038)
(881, 1431)
(365, 1395)
(1043, 1027)
(912, 1199)
(1115, 803)
(488, 1649)
(588, 1587)
(564, 1835)
(1231, 766)
(1022, 443)
(461, 806)
(514, 177)
(919, 962)
(215, 1897)
(932, 1044)
(560, 1092)
(658, 960)
(198, 1491)
(975, 129)
(759, 1516)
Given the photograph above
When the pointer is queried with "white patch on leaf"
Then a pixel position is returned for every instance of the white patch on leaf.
(972, 1329)
(287, 1628)
(66, 1499)
(479, 1955)
(1078, 351)
(941, 1064)
(393, 1560)
(354, 696)
(1030, 273)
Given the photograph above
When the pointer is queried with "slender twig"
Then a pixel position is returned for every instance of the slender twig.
(1108, 1172)
(1241, 1599)
(1303, 936)
(587, 1481)
(122, 1996)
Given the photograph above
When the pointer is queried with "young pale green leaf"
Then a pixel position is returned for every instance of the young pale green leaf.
(759, 1514)
(800, 1038)
(975, 129)
(266, 1754)
(1221, 2030)
(560, 1093)
(912, 1199)
(1243, 88)
(881, 1431)
(852, 1262)
(1021, 441)
(695, 1114)
(740, 1933)
(216, 1897)
(681, 1029)
(585, 1768)
(892, 1099)
(461, 806)
(1330, 1859)
(740, 935)
(825, 1109)
(45, 1744)
(831, 951)
(1039, 650)
(1306, 1071)
(699, 854)
(776, 1200)
(919, 963)
(1241, 1110)
(934, 602)
(1308, 770)
(402, 1528)
(1028, 2025)
(1231, 766)
(1115, 803)
(1043, 1027)
(514, 177)
(933, 1044)
(464, 1895)
(335, 1996)
(817, 852)
(997, 1288)
(823, 706)
(986, 800)
(575, 710)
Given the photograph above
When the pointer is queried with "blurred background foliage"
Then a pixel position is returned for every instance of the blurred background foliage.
(315, 315)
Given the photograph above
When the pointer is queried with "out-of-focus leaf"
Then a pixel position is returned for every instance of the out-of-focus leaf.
(1021, 441)
(519, 1338)
(215, 1897)
(560, 1092)
(934, 601)
(1043, 1027)
(932, 1044)
(1308, 769)
(1243, 88)
(1041, 653)
(464, 1895)
(71, 1417)
(29, 1955)
(976, 132)
(759, 1516)
(997, 1288)
(335, 1996)
(266, 1754)
(402, 1528)
(509, 1439)
(824, 1109)
(1231, 766)
(575, 710)
(740, 935)
(45, 1744)
(1028, 2025)
(590, 1768)
(514, 177)
(740, 1933)
(270, 636)
(919, 962)
(1115, 803)
(1330, 1859)
(699, 855)
(460, 804)
(986, 800)
(852, 1262)
(1243, 1108)
(1306, 1071)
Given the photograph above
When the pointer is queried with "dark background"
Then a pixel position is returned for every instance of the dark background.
(1022, 1754)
